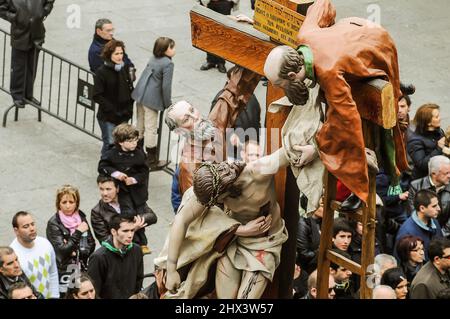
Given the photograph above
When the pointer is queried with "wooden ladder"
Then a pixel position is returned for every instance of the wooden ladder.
(368, 220)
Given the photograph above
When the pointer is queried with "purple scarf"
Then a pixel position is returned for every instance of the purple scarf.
(70, 222)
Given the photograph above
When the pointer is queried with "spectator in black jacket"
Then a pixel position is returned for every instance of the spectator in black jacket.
(126, 162)
(308, 240)
(11, 273)
(27, 32)
(223, 7)
(112, 91)
(104, 32)
(68, 232)
(109, 206)
(355, 249)
(428, 139)
(117, 268)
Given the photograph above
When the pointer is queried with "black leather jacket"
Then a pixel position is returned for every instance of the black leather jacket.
(101, 216)
(422, 147)
(308, 241)
(27, 21)
(65, 244)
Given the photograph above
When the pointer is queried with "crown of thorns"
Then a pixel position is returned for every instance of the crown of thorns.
(215, 183)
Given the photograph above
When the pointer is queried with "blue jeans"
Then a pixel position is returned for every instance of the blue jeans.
(107, 138)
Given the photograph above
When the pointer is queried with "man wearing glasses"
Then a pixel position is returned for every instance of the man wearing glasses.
(104, 32)
(434, 276)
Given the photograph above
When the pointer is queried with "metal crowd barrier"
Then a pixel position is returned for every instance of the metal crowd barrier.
(64, 90)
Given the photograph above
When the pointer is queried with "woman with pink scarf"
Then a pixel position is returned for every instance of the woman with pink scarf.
(68, 231)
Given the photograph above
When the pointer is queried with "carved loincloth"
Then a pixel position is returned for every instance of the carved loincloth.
(258, 253)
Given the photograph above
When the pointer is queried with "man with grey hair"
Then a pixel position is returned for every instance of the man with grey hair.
(385, 262)
(382, 263)
(438, 181)
(383, 292)
(104, 32)
(11, 273)
(205, 136)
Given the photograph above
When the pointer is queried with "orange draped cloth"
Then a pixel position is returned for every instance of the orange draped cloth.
(352, 49)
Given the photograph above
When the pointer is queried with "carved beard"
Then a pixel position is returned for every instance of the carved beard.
(203, 131)
(233, 171)
(297, 92)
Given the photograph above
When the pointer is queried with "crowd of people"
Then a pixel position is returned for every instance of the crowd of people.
(413, 231)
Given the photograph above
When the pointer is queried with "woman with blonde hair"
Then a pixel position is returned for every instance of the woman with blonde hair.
(428, 139)
(68, 232)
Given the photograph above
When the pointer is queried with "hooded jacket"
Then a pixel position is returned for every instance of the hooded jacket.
(117, 274)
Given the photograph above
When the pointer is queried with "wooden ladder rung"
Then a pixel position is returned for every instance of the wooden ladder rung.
(344, 262)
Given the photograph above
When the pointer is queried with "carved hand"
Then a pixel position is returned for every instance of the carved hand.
(173, 281)
(307, 154)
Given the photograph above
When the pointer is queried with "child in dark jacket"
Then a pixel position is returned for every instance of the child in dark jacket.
(126, 162)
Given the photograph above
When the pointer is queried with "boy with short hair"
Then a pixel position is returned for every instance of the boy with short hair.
(126, 162)
(342, 234)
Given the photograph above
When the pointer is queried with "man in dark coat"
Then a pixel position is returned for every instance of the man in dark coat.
(104, 32)
(117, 268)
(223, 7)
(434, 276)
(27, 33)
(11, 273)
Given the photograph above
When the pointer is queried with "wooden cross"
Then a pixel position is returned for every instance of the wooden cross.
(241, 44)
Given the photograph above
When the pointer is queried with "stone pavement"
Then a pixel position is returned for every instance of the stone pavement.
(36, 158)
